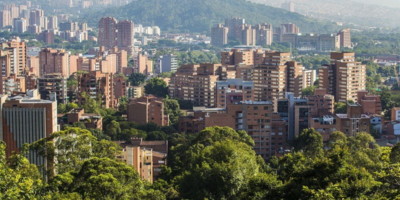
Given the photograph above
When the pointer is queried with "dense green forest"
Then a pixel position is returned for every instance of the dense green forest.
(376, 43)
(217, 163)
(199, 16)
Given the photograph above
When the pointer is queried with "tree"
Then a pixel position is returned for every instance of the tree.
(65, 108)
(172, 109)
(123, 104)
(156, 135)
(18, 178)
(214, 134)
(137, 79)
(386, 99)
(395, 154)
(102, 178)
(340, 107)
(310, 142)
(157, 87)
(113, 129)
(220, 171)
(262, 186)
(91, 105)
(308, 91)
(66, 150)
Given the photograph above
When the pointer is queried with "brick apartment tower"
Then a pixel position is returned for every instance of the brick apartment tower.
(345, 38)
(276, 76)
(196, 83)
(54, 61)
(116, 34)
(343, 78)
(17, 52)
(125, 35)
(97, 85)
(219, 35)
(108, 32)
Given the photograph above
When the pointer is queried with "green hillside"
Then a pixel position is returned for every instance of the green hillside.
(200, 15)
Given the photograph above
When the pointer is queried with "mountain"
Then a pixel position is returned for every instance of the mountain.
(199, 15)
(375, 13)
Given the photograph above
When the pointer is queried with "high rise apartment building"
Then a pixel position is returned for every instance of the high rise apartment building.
(120, 84)
(289, 29)
(248, 35)
(309, 78)
(277, 76)
(5, 18)
(108, 32)
(17, 53)
(295, 111)
(125, 35)
(36, 17)
(97, 85)
(345, 38)
(53, 23)
(26, 120)
(197, 83)
(166, 63)
(238, 56)
(264, 34)
(235, 26)
(20, 25)
(116, 34)
(144, 64)
(219, 35)
(54, 61)
(5, 63)
(68, 26)
(236, 30)
(53, 84)
(343, 78)
(233, 91)
(321, 104)
(14, 11)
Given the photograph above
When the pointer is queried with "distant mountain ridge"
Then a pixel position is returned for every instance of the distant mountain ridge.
(199, 15)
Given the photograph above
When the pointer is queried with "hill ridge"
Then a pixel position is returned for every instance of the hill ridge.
(199, 15)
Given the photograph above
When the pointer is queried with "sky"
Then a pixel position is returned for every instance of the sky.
(389, 3)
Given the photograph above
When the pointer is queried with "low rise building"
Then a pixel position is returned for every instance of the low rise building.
(147, 157)
(90, 120)
(371, 104)
(149, 109)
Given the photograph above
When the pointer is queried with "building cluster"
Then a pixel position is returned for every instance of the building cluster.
(147, 30)
(32, 86)
(102, 74)
(26, 118)
(260, 92)
(319, 42)
(86, 4)
(29, 19)
(236, 30)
